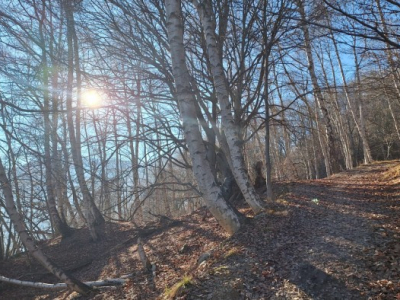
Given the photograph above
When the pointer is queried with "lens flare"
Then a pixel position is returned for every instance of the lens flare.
(92, 98)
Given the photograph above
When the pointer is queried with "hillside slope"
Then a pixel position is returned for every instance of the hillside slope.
(335, 238)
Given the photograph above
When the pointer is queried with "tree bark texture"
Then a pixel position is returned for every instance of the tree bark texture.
(211, 192)
(228, 125)
(328, 140)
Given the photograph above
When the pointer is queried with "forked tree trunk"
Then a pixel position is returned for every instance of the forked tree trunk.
(211, 192)
(228, 125)
(28, 242)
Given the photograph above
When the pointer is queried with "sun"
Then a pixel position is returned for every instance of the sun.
(92, 98)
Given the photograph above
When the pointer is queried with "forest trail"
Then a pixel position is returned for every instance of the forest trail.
(334, 238)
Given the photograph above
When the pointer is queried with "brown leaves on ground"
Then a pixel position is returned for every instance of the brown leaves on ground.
(335, 238)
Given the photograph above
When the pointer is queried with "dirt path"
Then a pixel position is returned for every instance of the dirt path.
(345, 224)
(336, 238)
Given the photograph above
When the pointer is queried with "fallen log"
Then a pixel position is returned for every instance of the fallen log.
(59, 286)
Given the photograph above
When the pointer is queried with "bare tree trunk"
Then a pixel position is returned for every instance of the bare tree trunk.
(93, 215)
(358, 121)
(117, 169)
(137, 144)
(225, 216)
(268, 164)
(228, 125)
(60, 227)
(134, 144)
(327, 141)
(66, 159)
(28, 242)
(343, 136)
(360, 124)
(314, 131)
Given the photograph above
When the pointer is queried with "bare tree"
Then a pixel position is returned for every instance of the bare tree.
(93, 215)
(212, 193)
(327, 140)
(220, 83)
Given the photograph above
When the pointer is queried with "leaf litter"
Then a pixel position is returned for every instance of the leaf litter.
(345, 245)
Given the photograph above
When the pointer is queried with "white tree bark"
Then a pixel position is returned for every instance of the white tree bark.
(361, 124)
(337, 116)
(327, 141)
(357, 121)
(228, 124)
(212, 195)
(142, 255)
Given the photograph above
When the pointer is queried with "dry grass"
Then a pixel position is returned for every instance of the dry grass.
(393, 174)
(233, 252)
(177, 288)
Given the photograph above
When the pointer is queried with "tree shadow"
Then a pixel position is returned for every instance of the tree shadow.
(320, 285)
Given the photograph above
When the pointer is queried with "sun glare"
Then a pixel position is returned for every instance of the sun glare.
(92, 98)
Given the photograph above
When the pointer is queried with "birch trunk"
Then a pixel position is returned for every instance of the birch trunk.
(206, 181)
(357, 120)
(228, 125)
(327, 141)
(28, 242)
(361, 124)
(333, 95)
(314, 130)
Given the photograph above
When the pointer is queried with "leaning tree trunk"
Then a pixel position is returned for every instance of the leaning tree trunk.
(28, 242)
(211, 192)
(228, 125)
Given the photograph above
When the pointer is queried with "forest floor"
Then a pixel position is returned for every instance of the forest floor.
(334, 238)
